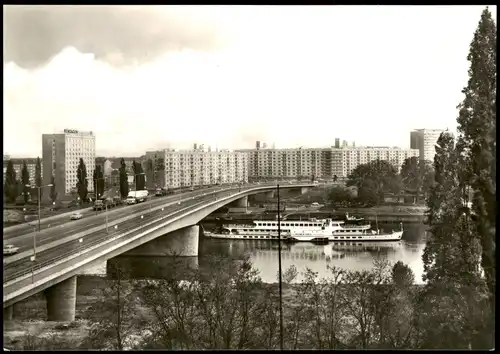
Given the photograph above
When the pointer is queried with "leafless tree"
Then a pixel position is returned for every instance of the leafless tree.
(118, 305)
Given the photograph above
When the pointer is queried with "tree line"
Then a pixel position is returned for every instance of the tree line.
(101, 182)
(229, 307)
(14, 187)
(375, 179)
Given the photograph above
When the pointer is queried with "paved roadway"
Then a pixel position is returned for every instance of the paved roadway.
(50, 254)
(14, 236)
(45, 272)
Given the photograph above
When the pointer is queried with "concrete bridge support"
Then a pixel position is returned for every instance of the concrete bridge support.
(61, 301)
(8, 313)
(182, 243)
(240, 203)
(269, 194)
(304, 190)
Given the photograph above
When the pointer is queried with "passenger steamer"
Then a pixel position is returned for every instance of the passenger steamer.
(313, 230)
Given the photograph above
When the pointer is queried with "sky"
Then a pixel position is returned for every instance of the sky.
(153, 77)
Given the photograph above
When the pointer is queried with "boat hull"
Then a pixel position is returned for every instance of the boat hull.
(395, 236)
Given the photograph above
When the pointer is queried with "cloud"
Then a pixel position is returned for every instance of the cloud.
(234, 76)
(117, 34)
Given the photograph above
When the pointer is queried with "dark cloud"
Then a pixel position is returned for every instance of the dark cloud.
(34, 34)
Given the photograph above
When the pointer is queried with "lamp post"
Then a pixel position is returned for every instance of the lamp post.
(105, 204)
(279, 268)
(39, 216)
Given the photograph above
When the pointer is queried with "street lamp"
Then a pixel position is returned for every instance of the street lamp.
(39, 217)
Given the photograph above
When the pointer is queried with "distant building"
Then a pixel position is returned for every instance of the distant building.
(61, 156)
(337, 143)
(300, 163)
(257, 145)
(425, 141)
(175, 169)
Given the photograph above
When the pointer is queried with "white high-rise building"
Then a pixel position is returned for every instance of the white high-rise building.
(425, 141)
(61, 156)
(197, 167)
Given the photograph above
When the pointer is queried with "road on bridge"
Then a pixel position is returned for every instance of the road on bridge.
(11, 234)
(24, 264)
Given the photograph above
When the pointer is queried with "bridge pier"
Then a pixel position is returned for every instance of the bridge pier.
(304, 190)
(8, 313)
(240, 203)
(183, 243)
(269, 195)
(61, 301)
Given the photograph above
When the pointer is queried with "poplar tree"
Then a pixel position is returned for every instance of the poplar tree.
(477, 127)
(10, 185)
(82, 182)
(123, 179)
(25, 178)
(38, 175)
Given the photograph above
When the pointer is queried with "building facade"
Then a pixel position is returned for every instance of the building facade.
(326, 163)
(425, 141)
(61, 156)
(177, 169)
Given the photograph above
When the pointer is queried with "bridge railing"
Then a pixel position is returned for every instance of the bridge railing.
(107, 236)
(86, 246)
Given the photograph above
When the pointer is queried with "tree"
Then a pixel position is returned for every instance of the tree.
(123, 179)
(99, 182)
(139, 176)
(477, 126)
(375, 178)
(416, 176)
(25, 178)
(339, 195)
(335, 178)
(452, 251)
(160, 171)
(38, 175)
(10, 185)
(82, 182)
(53, 192)
(113, 331)
(150, 171)
(402, 275)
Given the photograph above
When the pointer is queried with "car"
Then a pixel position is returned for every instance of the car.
(9, 249)
(76, 216)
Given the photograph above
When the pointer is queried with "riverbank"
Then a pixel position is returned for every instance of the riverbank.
(381, 214)
(29, 330)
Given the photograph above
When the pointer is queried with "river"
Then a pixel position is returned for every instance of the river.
(264, 255)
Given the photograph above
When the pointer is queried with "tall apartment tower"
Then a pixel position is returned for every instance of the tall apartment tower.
(337, 143)
(61, 156)
(425, 140)
(257, 145)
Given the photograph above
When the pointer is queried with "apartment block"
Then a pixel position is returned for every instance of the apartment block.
(61, 156)
(318, 162)
(198, 167)
(425, 141)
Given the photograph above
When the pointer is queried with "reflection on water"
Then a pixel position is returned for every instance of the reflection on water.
(264, 255)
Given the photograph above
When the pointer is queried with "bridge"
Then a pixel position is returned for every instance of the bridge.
(163, 226)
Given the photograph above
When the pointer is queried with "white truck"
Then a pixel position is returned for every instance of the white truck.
(137, 197)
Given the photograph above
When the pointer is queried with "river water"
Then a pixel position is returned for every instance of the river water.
(264, 255)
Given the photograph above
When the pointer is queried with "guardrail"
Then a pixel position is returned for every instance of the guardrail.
(82, 248)
(39, 266)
